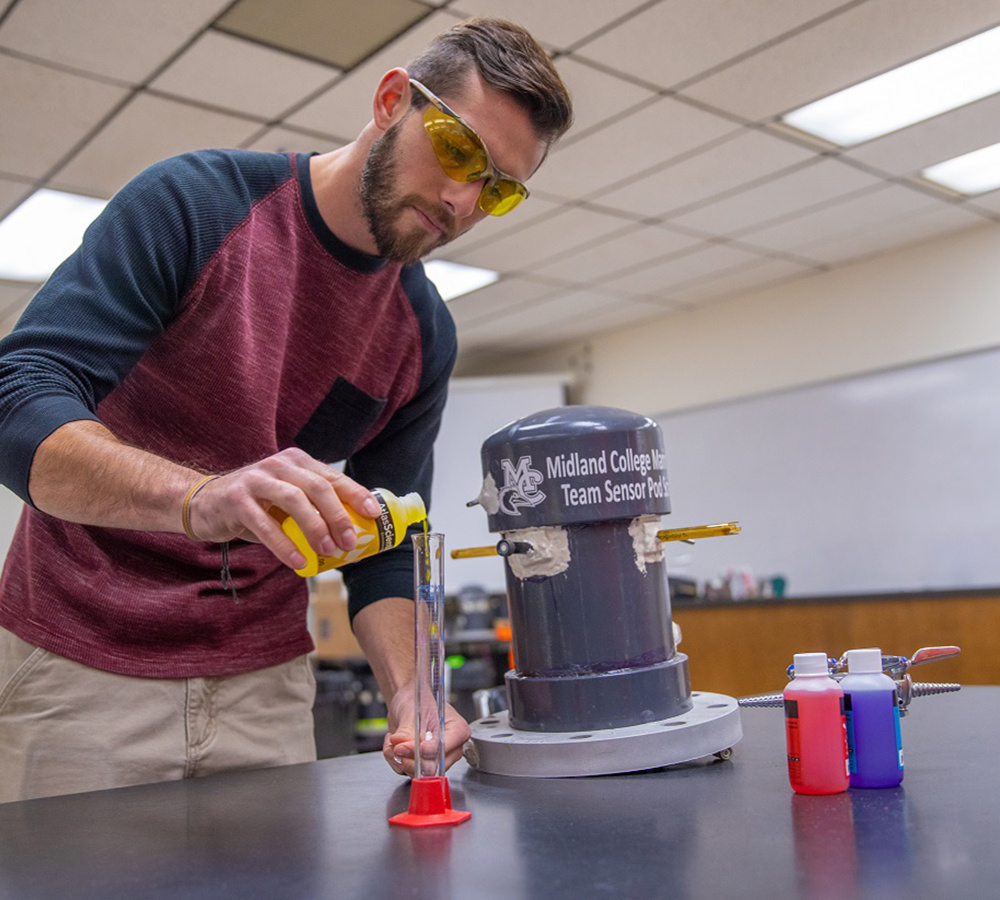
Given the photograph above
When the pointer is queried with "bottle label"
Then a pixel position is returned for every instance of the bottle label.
(794, 741)
(844, 704)
(899, 737)
(384, 525)
(852, 759)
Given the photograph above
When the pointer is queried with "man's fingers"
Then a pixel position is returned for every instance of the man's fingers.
(316, 496)
(268, 532)
(398, 763)
(358, 497)
(319, 505)
(340, 492)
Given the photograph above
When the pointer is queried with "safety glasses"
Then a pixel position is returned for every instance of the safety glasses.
(464, 157)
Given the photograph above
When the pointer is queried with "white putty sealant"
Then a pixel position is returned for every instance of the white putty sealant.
(549, 554)
(489, 496)
(647, 546)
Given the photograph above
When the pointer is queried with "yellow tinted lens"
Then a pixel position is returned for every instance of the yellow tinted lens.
(460, 152)
(500, 197)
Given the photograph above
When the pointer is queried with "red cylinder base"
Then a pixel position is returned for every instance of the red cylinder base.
(430, 804)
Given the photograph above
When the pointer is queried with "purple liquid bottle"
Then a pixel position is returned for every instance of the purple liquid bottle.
(875, 749)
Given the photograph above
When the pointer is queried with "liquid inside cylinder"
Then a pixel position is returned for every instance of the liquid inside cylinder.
(429, 680)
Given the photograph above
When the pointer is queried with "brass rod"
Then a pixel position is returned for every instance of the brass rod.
(670, 534)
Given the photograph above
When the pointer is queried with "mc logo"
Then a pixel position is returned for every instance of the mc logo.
(520, 486)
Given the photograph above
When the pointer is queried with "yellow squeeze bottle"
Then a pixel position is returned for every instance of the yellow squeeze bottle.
(374, 535)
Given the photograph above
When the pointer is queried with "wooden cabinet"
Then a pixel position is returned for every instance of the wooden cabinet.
(741, 648)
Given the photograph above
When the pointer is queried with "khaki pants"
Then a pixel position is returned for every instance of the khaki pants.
(67, 728)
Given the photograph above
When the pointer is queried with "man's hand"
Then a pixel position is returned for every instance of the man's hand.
(398, 747)
(83, 473)
(236, 505)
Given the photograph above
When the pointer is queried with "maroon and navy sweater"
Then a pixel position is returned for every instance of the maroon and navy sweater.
(211, 317)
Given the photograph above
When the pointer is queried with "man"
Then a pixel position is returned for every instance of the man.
(232, 323)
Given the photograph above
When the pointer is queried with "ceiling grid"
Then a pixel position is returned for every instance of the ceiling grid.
(677, 187)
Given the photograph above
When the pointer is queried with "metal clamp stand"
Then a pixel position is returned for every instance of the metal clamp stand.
(896, 667)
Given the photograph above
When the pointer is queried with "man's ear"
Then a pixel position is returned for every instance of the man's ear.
(392, 98)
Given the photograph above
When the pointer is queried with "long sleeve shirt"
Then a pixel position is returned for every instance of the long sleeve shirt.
(211, 317)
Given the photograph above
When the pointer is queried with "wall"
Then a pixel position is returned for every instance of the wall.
(920, 303)
(842, 409)
(476, 408)
(875, 483)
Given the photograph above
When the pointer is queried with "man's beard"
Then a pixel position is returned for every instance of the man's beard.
(382, 208)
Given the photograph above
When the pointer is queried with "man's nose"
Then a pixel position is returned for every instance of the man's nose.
(462, 197)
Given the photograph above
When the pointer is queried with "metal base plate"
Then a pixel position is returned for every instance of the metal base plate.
(711, 726)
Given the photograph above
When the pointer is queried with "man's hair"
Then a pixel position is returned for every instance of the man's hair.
(508, 59)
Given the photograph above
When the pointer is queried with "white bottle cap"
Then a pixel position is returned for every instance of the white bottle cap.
(811, 664)
(864, 662)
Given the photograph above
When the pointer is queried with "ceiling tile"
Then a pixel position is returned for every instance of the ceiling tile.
(657, 280)
(989, 201)
(741, 280)
(347, 107)
(242, 76)
(45, 113)
(611, 254)
(864, 240)
(573, 316)
(865, 40)
(12, 194)
(560, 305)
(338, 32)
(800, 189)
(147, 130)
(553, 319)
(558, 23)
(628, 146)
(494, 300)
(487, 336)
(120, 39)
(739, 159)
(285, 140)
(619, 315)
(492, 229)
(944, 137)
(570, 329)
(675, 40)
(883, 204)
(540, 240)
(596, 95)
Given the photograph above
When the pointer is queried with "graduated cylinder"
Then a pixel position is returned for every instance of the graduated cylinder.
(429, 682)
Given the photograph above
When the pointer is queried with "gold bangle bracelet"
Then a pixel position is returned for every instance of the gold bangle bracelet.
(186, 507)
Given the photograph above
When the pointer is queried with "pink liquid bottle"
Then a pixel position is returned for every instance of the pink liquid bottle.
(873, 737)
(815, 728)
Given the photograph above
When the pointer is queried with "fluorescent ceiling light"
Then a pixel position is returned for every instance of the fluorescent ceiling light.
(453, 279)
(972, 173)
(43, 231)
(953, 77)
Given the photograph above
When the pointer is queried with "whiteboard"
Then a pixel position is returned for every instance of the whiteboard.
(476, 408)
(881, 483)
(10, 511)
